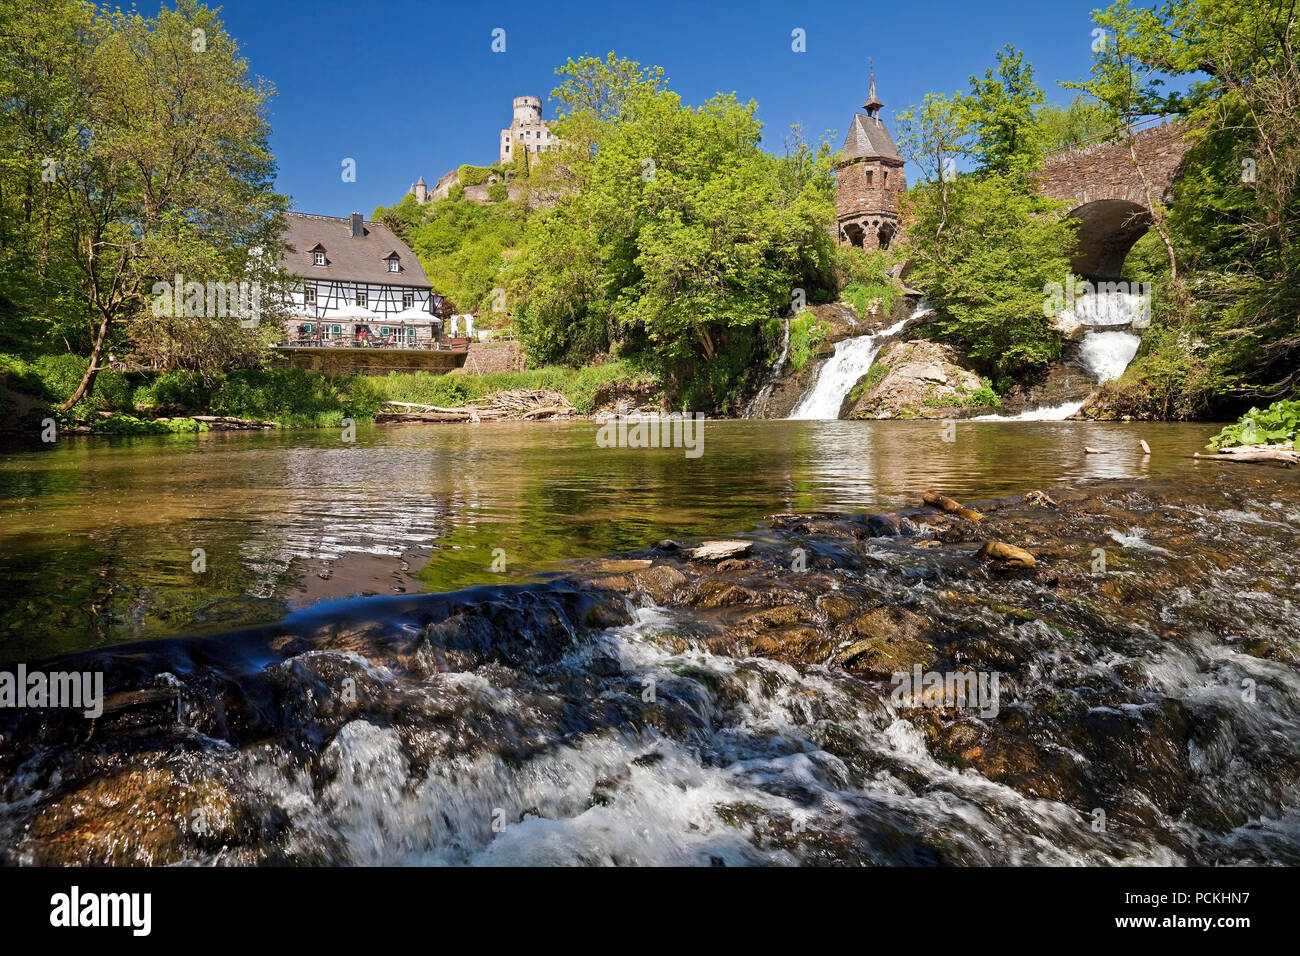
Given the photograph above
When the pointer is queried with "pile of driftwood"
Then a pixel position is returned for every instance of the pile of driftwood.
(527, 404)
(1284, 455)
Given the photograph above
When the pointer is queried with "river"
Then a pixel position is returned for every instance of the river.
(97, 536)
(339, 675)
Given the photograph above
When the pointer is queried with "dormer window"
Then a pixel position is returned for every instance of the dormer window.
(394, 266)
(318, 256)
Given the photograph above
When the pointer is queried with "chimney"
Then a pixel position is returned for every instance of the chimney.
(358, 229)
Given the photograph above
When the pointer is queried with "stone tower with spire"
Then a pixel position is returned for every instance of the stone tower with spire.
(868, 180)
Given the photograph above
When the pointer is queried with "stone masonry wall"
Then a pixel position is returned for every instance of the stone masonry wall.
(1106, 170)
(854, 197)
(490, 358)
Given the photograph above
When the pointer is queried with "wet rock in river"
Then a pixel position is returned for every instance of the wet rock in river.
(1007, 554)
(717, 550)
(888, 641)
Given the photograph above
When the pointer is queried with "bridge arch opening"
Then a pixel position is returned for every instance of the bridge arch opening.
(1108, 228)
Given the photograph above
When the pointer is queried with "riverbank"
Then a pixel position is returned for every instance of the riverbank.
(138, 403)
(1138, 707)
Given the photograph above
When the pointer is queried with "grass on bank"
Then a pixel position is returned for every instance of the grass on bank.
(290, 397)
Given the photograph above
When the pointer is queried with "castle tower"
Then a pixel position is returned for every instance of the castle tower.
(421, 191)
(527, 132)
(869, 180)
(528, 110)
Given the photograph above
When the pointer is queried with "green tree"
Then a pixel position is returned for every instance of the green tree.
(1083, 120)
(985, 261)
(159, 139)
(984, 243)
(1001, 110)
(679, 237)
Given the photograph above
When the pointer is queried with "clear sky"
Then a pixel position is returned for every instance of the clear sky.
(409, 89)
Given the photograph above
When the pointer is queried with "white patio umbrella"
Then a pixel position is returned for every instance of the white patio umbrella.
(350, 313)
(412, 316)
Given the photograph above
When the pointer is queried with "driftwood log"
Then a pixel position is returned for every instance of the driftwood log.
(944, 503)
(528, 404)
(398, 418)
(1007, 554)
(1284, 455)
(550, 411)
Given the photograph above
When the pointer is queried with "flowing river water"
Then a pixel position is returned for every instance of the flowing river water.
(416, 648)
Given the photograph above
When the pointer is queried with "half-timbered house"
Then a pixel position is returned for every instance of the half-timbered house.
(359, 285)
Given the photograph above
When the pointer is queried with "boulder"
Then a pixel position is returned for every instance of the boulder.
(916, 379)
(1068, 327)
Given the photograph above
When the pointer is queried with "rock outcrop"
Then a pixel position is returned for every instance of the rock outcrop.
(917, 379)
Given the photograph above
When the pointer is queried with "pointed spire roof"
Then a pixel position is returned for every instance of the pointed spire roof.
(868, 138)
(873, 104)
(421, 182)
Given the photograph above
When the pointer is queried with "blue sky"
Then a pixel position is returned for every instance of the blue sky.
(409, 89)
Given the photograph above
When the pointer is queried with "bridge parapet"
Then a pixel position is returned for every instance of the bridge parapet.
(1105, 170)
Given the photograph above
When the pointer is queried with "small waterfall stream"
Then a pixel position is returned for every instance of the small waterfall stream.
(759, 405)
(1107, 347)
(851, 360)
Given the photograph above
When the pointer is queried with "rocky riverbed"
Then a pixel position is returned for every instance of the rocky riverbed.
(1130, 693)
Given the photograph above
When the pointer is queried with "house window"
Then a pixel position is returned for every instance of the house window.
(884, 180)
(309, 295)
(393, 265)
(318, 258)
(869, 175)
(408, 300)
(362, 300)
(336, 330)
(410, 334)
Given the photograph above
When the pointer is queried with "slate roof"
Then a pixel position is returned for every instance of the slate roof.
(348, 258)
(868, 139)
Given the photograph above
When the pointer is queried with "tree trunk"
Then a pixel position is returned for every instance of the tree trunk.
(88, 380)
(1157, 217)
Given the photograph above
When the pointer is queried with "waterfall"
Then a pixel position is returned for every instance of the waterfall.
(759, 405)
(851, 360)
(1106, 354)
(1105, 350)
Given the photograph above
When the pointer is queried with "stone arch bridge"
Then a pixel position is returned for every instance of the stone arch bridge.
(1111, 196)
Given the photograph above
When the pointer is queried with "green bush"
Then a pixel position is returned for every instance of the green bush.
(59, 374)
(19, 374)
(861, 295)
(806, 333)
(581, 386)
(477, 175)
(179, 389)
(984, 395)
(289, 396)
(1275, 425)
(111, 393)
(498, 192)
(129, 425)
